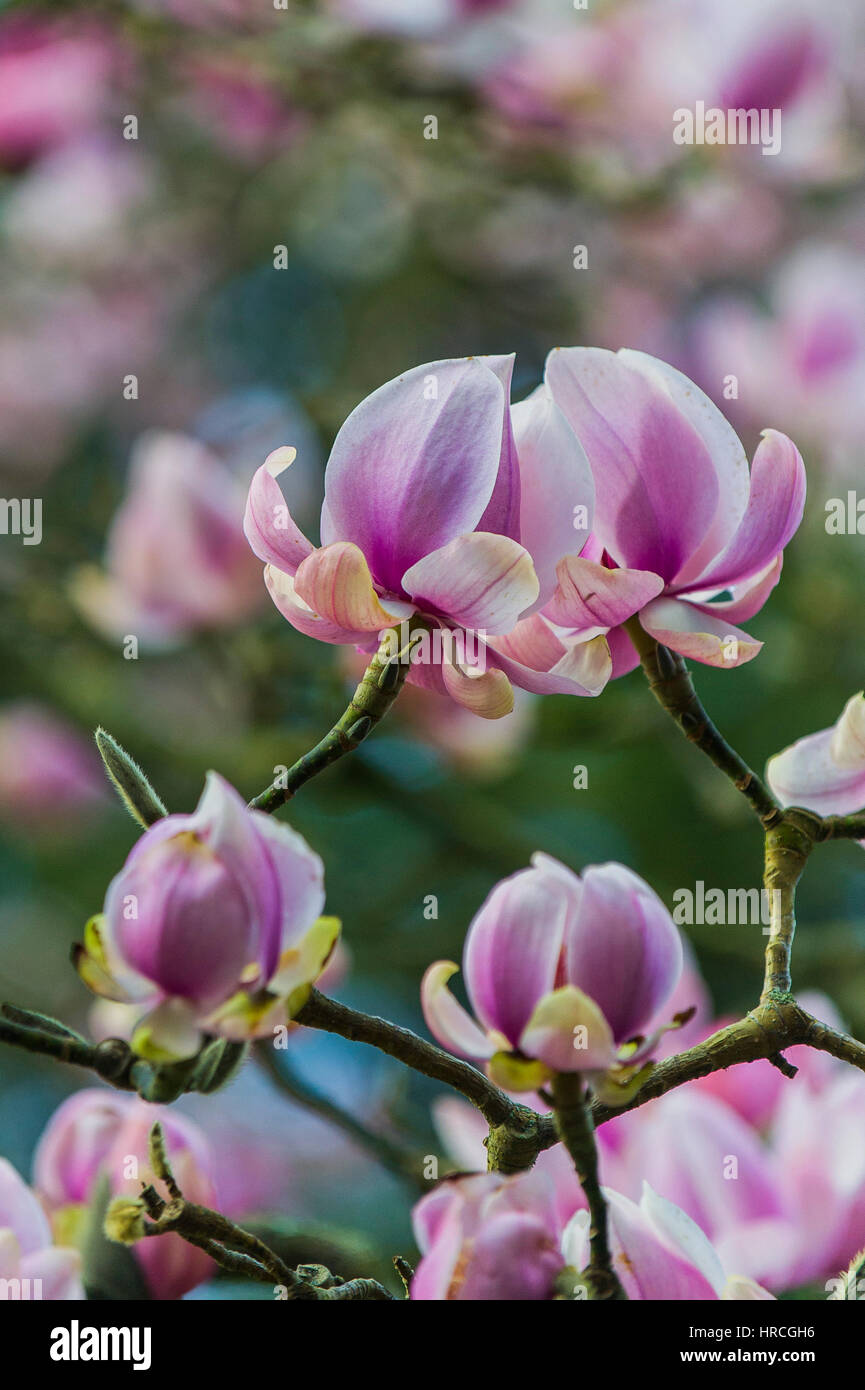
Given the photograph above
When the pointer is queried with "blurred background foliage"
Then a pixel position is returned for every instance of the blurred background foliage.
(304, 129)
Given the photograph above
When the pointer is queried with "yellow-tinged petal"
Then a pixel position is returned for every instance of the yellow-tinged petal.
(569, 1032)
(94, 943)
(515, 1073)
(91, 963)
(169, 1033)
(336, 584)
(488, 694)
(246, 1016)
(302, 964)
(619, 1085)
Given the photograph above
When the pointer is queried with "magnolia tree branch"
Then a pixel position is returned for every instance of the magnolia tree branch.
(574, 1127)
(670, 682)
(234, 1249)
(379, 686)
(397, 1158)
(406, 1046)
(517, 1134)
(844, 827)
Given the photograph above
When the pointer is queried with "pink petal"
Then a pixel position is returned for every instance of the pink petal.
(267, 524)
(300, 874)
(228, 828)
(446, 1018)
(648, 1268)
(624, 656)
(479, 581)
(747, 598)
(681, 1147)
(513, 1259)
(677, 1230)
(555, 480)
(502, 514)
(513, 946)
(807, 774)
(568, 1032)
(623, 948)
(724, 446)
(429, 1213)
(656, 484)
(59, 1269)
(591, 596)
(695, 632)
(775, 508)
(537, 658)
(486, 693)
(281, 588)
(20, 1211)
(408, 472)
(336, 584)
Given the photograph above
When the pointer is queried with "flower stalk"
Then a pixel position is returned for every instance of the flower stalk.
(575, 1128)
(379, 686)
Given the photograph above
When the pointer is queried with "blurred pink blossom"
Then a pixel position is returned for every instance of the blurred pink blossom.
(98, 1132)
(49, 773)
(27, 1252)
(802, 358)
(56, 81)
(176, 556)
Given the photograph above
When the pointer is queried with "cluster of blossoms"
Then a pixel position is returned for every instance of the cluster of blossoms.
(616, 491)
(463, 511)
(738, 1151)
(491, 1237)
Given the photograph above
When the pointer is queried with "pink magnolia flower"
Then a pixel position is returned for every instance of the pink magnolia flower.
(659, 1253)
(562, 973)
(214, 922)
(176, 555)
(98, 1132)
(697, 1152)
(675, 504)
(802, 353)
(825, 772)
(49, 774)
(487, 1237)
(440, 500)
(462, 1130)
(55, 82)
(31, 1266)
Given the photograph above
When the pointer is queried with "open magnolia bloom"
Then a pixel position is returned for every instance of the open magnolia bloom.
(487, 1237)
(825, 772)
(213, 923)
(675, 503)
(441, 501)
(563, 973)
(658, 1252)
